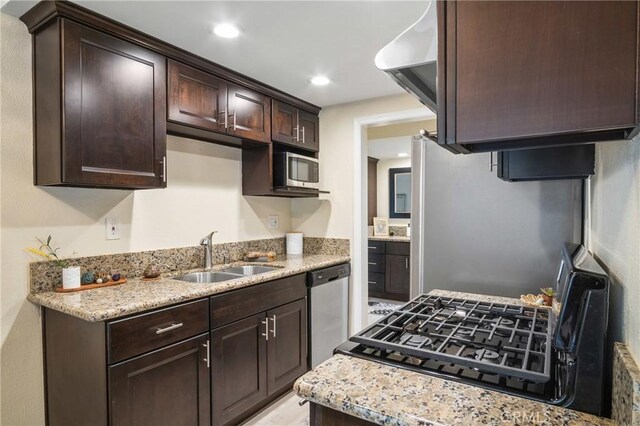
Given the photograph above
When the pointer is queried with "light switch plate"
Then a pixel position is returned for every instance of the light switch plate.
(112, 228)
(274, 222)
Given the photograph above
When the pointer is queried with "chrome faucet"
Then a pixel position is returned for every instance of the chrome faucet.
(208, 251)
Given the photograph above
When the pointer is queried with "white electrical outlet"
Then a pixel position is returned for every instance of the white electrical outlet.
(273, 221)
(112, 228)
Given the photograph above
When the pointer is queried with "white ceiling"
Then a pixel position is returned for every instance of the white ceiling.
(284, 43)
(388, 148)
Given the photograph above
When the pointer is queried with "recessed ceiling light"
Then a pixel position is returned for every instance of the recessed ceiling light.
(320, 80)
(403, 154)
(226, 31)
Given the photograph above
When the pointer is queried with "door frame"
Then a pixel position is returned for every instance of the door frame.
(360, 291)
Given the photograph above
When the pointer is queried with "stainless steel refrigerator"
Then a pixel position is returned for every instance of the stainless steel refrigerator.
(473, 232)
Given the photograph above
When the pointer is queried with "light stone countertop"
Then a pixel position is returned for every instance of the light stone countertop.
(389, 395)
(137, 295)
(395, 238)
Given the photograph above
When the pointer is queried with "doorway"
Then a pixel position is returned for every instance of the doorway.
(382, 153)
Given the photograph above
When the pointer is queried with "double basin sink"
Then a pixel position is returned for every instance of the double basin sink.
(226, 274)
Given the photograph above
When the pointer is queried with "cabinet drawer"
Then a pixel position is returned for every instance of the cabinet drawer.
(142, 333)
(235, 305)
(376, 247)
(401, 249)
(376, 263)
(376, 283)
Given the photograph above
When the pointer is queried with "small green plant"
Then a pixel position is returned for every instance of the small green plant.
(548, 291)
(49, 253)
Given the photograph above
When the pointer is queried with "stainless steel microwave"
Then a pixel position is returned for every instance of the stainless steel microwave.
(295, 171)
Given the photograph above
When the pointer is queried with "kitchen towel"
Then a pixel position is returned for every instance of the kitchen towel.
(294, 242)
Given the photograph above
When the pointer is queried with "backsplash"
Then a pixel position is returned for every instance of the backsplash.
(45, 275)
(394, 230)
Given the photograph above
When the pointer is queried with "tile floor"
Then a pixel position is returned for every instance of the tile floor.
(283, 412)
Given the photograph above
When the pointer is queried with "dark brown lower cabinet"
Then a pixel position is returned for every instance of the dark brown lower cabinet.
(238, 372)
(211, 361)
(169, 387)
(396, 284)
(256, 359)
(287, 345)
(389, 270)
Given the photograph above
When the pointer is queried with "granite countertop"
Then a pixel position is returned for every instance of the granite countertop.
(137, 295)
(388, 395)
(396, 238)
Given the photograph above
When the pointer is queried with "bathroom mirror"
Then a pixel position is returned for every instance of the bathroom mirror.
(400, 192)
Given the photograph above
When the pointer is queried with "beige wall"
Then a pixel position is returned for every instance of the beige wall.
(333, 216)
(616, 233)
(383, 187)
(400, 129)
(203, 194)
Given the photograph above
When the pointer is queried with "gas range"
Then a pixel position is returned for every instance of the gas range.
(551, 355)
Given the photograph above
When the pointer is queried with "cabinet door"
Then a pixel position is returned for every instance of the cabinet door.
(166, 387)
(196, 98)
(397, 277)
(249, 114)
(284, 123)
(114, 111)
(309, 131)
(287, 345)
(512, 80)
(238, 367)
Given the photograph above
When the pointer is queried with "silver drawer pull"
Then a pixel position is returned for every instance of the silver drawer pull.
(171, 327)
(207, 346)
(266, 329)
(302, 402)
(372, 263)
(373, 248)
(274, 325)
(373, 282)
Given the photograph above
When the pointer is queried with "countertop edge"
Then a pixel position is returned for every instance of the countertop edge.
(312, 389)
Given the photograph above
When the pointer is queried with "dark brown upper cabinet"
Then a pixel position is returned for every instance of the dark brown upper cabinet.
(294, 126)
(249, 114)
(197, 98)
(99, 110)
(200, 103)
(531, 74)
(101, 107)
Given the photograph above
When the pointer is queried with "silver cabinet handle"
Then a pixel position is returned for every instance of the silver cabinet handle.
(233, 114)
(274, 325)
(491, 163)
(266, 328)
(208, 357)
(406, 263)
(164, 168)
(223, 113)
(373, 248)
(302, 402)
(372, 263)
(296, 138)
(169, 328)
(302, 128)
(373, 282)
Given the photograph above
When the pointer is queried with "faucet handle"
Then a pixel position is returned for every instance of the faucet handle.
(207, 239)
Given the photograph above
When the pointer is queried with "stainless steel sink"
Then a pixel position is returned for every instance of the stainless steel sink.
(207, 277)
(249, 269)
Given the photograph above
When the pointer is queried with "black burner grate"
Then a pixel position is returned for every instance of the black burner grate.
(492, 338)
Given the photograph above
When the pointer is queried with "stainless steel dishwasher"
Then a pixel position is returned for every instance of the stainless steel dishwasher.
(328, 311)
